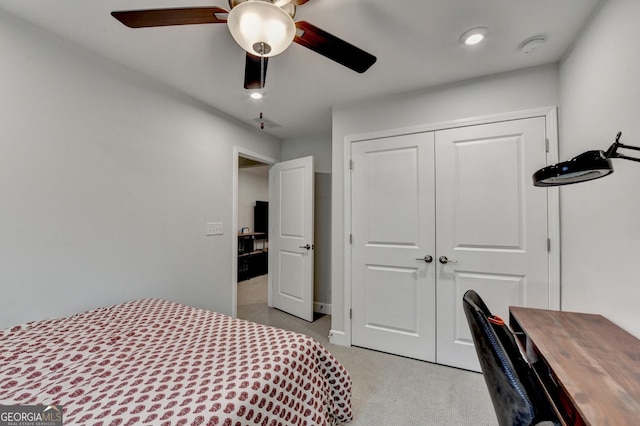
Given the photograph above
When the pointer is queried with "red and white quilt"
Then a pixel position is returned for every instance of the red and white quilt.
(161, 363)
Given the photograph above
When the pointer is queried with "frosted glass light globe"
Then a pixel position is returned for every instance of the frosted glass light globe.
(261, 28)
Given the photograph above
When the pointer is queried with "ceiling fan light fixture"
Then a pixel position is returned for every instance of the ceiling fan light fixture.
(261, 28)
(256, 95)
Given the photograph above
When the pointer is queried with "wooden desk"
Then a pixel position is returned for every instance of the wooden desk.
(589, 366)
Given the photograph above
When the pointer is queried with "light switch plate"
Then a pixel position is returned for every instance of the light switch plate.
(215, 228)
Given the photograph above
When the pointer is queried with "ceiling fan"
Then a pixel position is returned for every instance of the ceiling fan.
(263, 28)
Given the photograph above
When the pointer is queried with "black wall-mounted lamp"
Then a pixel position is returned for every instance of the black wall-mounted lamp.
(586, 166)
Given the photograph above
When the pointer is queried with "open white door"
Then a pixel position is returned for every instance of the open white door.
(291, 236)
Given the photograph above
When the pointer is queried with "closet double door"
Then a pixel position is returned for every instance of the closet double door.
(434, 214)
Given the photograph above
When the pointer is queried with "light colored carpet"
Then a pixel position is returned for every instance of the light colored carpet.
(388, 390)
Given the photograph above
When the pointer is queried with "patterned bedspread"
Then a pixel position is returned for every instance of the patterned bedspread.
(157, 362)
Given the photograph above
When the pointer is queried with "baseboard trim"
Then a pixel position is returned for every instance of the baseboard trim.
(322, 308)
(338, 338)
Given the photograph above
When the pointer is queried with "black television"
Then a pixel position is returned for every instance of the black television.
(261, 217)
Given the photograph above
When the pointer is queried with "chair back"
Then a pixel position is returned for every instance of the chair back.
(517, 397)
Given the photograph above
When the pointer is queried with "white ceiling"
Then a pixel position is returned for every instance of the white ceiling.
(415, 41)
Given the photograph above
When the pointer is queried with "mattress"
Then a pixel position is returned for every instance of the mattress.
(157, 362)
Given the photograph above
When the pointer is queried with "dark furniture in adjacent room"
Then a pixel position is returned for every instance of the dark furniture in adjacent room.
(261, 218)
(252, 255)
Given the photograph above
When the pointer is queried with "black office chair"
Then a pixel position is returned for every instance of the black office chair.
(517, 396)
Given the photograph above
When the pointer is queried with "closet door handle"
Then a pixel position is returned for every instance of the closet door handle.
(427, 258)
(443, 260)
(308, 247)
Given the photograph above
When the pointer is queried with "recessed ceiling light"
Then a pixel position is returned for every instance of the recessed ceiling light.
(256, 95)
(474, 36)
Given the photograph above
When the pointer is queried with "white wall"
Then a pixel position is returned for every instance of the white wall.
(600, 220)
(107, 182)
(322, 243)
(316, 144)
(253, 185)
(515, 91)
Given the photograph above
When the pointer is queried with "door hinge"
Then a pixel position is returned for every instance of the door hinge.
(548, 244)
(546, 144)
(351, 165)
(350, 238)
(350, 313)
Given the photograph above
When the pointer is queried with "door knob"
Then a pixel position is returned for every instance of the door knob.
(427, 258)
(443, 260)
(308, 247)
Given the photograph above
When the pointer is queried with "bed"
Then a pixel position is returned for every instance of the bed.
(157, 362)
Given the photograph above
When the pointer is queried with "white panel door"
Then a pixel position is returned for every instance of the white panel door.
(492, 222)
(291, 236)
(392, 193)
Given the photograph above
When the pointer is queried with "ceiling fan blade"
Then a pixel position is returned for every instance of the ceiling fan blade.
(255, 71)
(332, 47)
(165, 17)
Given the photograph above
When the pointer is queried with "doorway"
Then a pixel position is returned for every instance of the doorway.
(250, 245)
(253, 236)
(290, 222)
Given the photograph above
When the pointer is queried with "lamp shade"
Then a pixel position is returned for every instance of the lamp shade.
(261, 28)
(586, 166)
